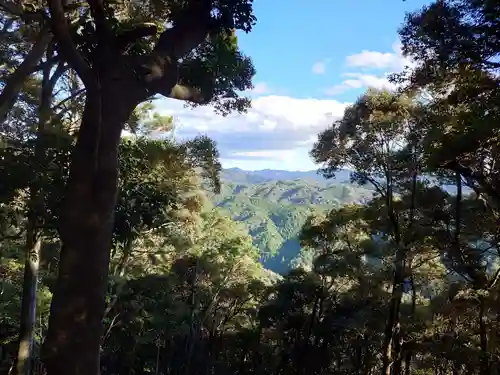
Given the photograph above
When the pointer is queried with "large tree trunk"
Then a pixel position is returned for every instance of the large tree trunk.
(73, 343)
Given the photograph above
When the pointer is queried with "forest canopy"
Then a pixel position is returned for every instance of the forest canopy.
(113, 260)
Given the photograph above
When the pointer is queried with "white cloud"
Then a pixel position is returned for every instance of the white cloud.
(372, 59)
(388, 62)
(320, 66)
(359, 80)
(392, 61)
(282, 155)
(294, 159)
(279, 130)
(276, 131)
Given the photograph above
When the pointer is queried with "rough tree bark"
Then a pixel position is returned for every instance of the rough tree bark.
(73, 342)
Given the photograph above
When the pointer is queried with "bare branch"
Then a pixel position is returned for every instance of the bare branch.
(15, 81)
(67, 99)
(481, 180)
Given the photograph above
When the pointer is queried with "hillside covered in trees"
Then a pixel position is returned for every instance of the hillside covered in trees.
(274, 206)
(113, 260)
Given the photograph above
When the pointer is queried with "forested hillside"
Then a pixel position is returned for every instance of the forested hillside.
(274, 207)
(113, 260)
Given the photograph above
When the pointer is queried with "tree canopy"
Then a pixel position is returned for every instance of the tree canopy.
(115, 257)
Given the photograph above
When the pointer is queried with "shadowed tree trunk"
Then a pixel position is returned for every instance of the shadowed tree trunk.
(28, 303)
(392, 330)
(73, 342)
(34, 231)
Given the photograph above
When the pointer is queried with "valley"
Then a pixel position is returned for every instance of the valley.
(273, 205)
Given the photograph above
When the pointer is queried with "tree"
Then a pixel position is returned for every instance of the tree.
(122, 61)
(160, 202)
(456, 45)
(176, 319)
(376, 138)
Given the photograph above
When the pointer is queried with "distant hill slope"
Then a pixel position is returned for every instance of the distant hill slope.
(274, 208)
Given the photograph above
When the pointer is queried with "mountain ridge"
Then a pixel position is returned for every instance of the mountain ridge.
(262, 175)
(273, 205)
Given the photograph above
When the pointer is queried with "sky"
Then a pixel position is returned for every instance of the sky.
(311, 61)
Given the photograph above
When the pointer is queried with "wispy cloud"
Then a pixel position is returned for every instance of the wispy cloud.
(393, 61)
(360, 80)
(277, 129)
(373, 68)
(319, 67)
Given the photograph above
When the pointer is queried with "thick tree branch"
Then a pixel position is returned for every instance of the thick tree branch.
(478, 177)
(129, 36)
(181, 92)
(99, 14)
(15, 81)
(67, 47)
(14, 8)
(190, 30)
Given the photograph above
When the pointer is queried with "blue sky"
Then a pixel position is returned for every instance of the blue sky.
(311, 60)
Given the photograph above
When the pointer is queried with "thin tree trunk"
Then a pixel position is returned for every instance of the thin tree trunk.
(28, 304)
(392, 326)
(483, 338)
(409, 354)
(191, 339)
(494, 365)
(34, 235)
(72, 346)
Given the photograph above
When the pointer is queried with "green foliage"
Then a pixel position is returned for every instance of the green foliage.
(404, 281)
(274, 212)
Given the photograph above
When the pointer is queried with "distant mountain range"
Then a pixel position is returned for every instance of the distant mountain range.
(274, 205)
